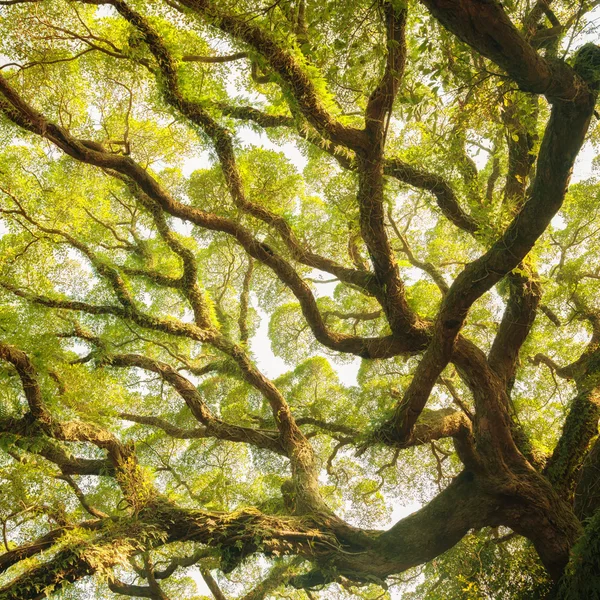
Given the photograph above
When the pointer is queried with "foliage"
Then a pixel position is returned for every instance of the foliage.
(273, 276)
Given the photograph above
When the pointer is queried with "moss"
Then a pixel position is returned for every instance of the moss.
(587, 64)
(582, 576)
(581, 426)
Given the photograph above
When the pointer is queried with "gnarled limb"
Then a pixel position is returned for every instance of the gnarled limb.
(356, 555)
(213, 427)
(580, 428)
(286, 67)
(214, 59)
(581, 424)
(121, 456)
(26, 429)
(517, 320)
(15, 555)
(27, 117)
(137, 591)
(381, 99)
(369, 165)
(581, 575)
(486, 27)
(568, 123)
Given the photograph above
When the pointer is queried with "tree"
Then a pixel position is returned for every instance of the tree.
(145, 241)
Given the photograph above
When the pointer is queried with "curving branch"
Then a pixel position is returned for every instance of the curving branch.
(355, 553)
(125, 168)
(568, 123)
(486, 27)
(427, 267)
(120, 455)
(81, 497)
(214, 59)
(524, 297)
(168, 428)
(12, 557)
(438, 186)
(287, 69)
(138, 591)
(381, 99)
(213, 427)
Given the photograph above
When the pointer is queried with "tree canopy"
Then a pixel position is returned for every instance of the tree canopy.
(376, 189)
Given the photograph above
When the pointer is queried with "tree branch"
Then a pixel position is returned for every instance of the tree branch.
(213, 427)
